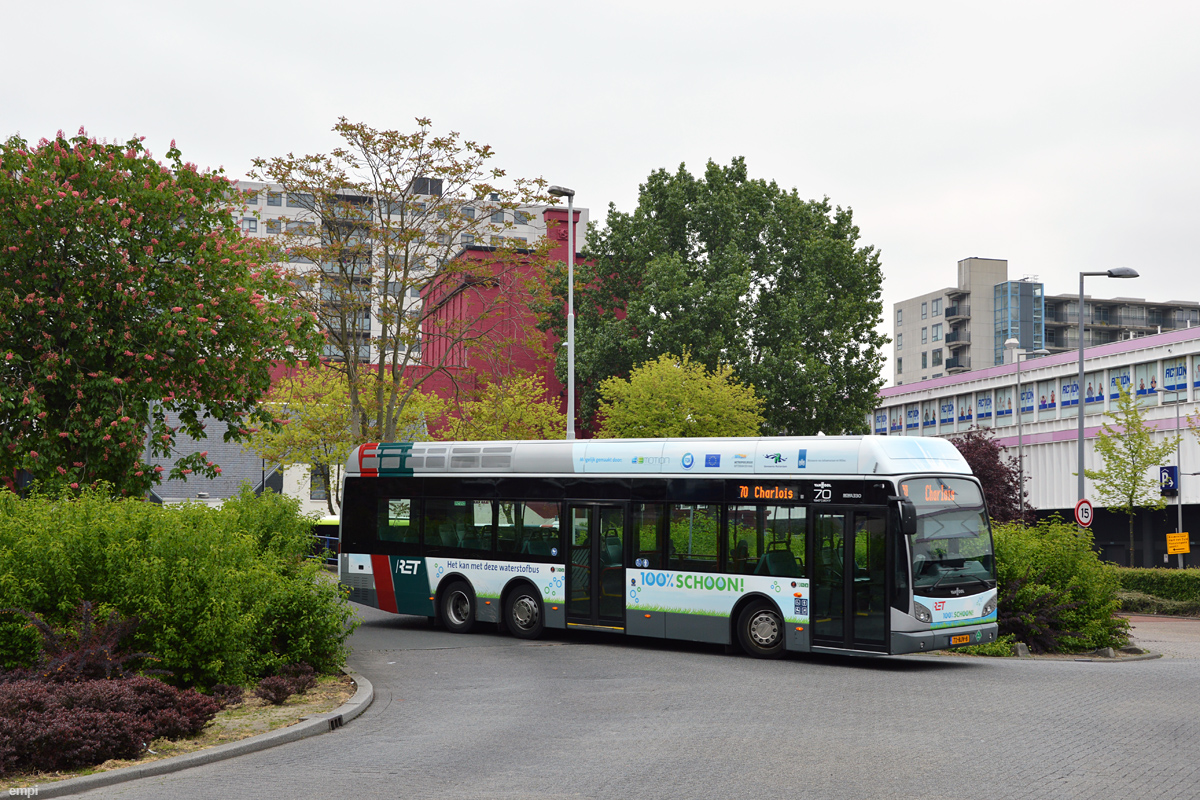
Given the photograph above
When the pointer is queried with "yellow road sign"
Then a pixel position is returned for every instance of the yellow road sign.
(1178, 543)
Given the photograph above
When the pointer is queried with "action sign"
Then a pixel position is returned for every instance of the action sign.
(1177, 544)
(1083, 513)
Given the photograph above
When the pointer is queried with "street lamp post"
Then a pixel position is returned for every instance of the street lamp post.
(560, 191)
(1178, 468)
(1013, 344)
(1116, 272)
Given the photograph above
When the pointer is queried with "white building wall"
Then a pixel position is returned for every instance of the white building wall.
(1050, 436)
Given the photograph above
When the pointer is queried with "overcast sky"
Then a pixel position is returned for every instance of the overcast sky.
(1060, 136)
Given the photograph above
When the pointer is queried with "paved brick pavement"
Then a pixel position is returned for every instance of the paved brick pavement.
(589, 716)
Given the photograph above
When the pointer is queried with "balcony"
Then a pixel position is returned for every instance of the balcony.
(958, 364)
(958, 311)
(958, 339)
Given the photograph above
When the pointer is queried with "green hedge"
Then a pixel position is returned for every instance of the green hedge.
(225, 595)
(1169, 584)
(1053, 558)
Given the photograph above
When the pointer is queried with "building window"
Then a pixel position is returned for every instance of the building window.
(924, 359)
(899, 366)
(443, 238)
(521, 217)
(431, 186)
(937, 332)
(467, 212)
(498, 217)
(300, 200)
(251, 198)
(937, 358)
(316, 482)
(937, 307)
(899, 341)
(924, 307)
(936, 375)
(899, 316)
(924, 335)
(274, 198)
(467, 238)
(249, 225)
(272, 226)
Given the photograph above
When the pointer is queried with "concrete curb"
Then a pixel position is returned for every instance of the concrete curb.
(306, 727)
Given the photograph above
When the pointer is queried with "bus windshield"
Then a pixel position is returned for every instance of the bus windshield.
(952, 549)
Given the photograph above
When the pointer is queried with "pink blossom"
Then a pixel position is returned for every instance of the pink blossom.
(74, 485)
(33, 454)
(176, 309)
(61, 471)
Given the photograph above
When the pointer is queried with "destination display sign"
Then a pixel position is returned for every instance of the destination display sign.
(815, 491)
(939, 492)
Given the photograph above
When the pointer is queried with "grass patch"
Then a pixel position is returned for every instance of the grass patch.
(253, 717)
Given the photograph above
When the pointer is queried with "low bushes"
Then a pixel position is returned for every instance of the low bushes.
(1055, 593)
(49, 726)
(1169, 584)
(224, 595)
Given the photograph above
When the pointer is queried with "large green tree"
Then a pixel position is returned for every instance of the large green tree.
(129, 293)
(736, 271)
(1127, 446)
(675, 397)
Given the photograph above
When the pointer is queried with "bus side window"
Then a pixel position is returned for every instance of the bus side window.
(693, 542)
(396, 523)
(745, 539)
(648, 534)
(784, 528)
(510, 529)
(458, 525)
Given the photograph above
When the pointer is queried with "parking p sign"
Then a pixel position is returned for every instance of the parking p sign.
(1083, 513)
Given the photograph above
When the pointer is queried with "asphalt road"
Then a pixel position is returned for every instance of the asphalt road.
(593, 716)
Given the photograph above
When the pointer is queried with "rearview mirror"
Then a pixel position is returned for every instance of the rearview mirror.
(908, 514)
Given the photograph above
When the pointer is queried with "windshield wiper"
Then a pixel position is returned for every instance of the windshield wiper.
(953, 570)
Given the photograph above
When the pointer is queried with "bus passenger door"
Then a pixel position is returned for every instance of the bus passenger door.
(849, 593)
(596, 566)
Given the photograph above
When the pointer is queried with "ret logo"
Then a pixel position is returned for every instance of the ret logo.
(407, 567)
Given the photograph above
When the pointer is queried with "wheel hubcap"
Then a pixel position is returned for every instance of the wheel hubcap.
(525, 612)
(764, 629)
(459, 607)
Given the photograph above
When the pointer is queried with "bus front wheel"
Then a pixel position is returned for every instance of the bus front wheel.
(523, 613)
(458, 608)
(760, 631)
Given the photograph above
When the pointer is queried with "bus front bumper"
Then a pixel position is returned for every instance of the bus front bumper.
(943, 638)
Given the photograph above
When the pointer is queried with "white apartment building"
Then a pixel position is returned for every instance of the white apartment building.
(963, 327)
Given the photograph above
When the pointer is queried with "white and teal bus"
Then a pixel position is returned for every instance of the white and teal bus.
(856, 545)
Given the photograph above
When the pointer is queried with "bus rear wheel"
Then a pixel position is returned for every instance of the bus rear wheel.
(760, 631)
(458, 608)
(523, 614)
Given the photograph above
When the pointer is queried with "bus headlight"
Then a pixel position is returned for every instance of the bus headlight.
(922, 613)
(989, 606)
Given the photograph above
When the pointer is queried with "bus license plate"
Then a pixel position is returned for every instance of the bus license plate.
(964, 639)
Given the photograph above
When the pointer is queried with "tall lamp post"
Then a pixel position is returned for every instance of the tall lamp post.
(561, 191)
(1178, 467)
(1116, 272)
(1013, 344)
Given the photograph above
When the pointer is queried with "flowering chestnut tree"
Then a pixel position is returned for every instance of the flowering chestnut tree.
(129, 293)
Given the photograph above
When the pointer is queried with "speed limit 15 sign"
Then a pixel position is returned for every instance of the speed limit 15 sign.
(1083, 512)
